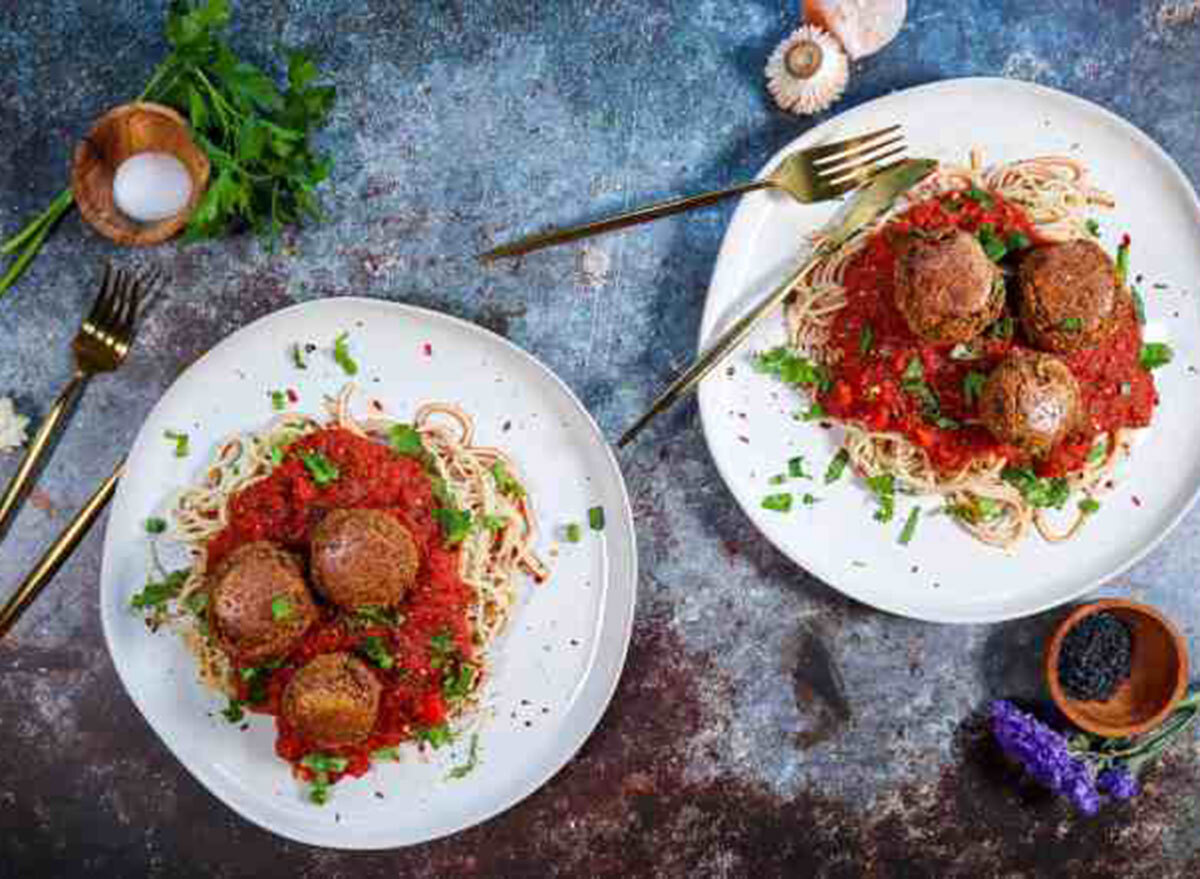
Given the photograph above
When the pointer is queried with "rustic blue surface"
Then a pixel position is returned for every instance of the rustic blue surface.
(764, 726)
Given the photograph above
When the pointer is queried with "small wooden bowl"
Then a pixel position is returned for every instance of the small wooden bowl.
(1157, 676)
(122, 132)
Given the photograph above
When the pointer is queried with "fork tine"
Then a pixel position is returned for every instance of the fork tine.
(103, 303)
(863, 170)
(832, 165)
(826, 150)
(835, 190)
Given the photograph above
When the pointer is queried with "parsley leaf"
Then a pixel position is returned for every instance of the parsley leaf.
(1071, 325)
(1087, 506)
(156, 594)
(281, 608)
(505, 482)
(792, 369)
(456, 524)
(796, 468)
(1038, 491)
(980, 196)
(866, 339)
(233, 711)
(1139, 305)
(837, 466)
(324, 763)
(436, 736)
(1093, 228)
(322, 470)
(815, 412)
(180, 440)
(1123, 260)
(341, 355)
(155, 525)
(973, 383)
(298, 356)
(376, 615)
(1155, 354)
(779, 503)
(392, 754)
(406, 440)
(375, 650)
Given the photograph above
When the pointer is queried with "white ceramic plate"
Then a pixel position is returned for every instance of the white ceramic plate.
(944, 575)
(554, 670)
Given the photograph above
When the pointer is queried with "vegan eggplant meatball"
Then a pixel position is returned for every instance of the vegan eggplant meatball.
(259, 605)
(332, 701)
(947, 288)
(1031, 401)
(1070, 296)
(363, 557)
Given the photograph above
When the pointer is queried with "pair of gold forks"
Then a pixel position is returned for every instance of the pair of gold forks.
(101, 345)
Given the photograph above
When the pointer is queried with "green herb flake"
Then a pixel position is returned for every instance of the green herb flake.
(814, 412)
(1002, 329)
(777, 479)
(993, 245)
(180, 440)
(574, 533)
(376, 615)
(299, 359)
(456, 524)
(281, 608)
(341, 354)
(276, 455)
(458, 684)
(505, 482)
(1123, 260)
(809, 500)
(866, 339)
(973, 383)
(324, 763)
(495, 524)
(197, 602)
(1155, 354)
(779, 503)
(596, 518)
(472, 761)
(374, 648)
(914, 371)
(386, 754)
(233, 711)
(1038, 491)
(1087, 506)
(155, 525)
(321, 469)
(980, 196)
(1071, 325)
(1098, 451)
(1019, 241)
(278, 400)
(1093, 228)
(406, 440)
(1139, 306)
(792, 369)
(796, 468)
(319, 791)
(157, 594)
(910, 526)
(884, 489)
(435, 736)
(837, 466)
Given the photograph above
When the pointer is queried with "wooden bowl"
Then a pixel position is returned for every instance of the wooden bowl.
(122, 132)
(1157, 677)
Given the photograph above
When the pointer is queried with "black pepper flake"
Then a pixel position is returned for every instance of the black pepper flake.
(507, 426)
(1137, 502)
(1095, 657)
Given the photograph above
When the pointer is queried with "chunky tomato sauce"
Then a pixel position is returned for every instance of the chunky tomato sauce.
(867, 382)
(285, 507)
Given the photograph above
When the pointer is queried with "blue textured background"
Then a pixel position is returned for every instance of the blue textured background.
(765, 726)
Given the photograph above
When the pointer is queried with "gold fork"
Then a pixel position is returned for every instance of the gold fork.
(816, 174)
(100, 346)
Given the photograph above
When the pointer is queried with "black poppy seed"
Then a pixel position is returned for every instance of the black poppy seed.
(1095, 657)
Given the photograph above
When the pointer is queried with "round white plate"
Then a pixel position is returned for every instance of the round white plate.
(944, 575)
(555, 668)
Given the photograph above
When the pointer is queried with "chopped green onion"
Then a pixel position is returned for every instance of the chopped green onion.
(155, 525)
(834, 472)
(866, 339)
(779, 503)
(910, 526)
(281, 608)
(341, 355)
(1155, 354)
(596, 518)
(322, 470)
(1087, 506)
(180, 440)
(574, 533)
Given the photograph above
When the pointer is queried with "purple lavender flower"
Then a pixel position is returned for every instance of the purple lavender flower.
(1045, 756)
(1117, 783)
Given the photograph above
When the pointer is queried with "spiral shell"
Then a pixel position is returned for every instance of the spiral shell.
(807, 72)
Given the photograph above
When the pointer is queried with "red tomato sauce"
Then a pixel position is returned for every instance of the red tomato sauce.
(285, 507)
(867, 382)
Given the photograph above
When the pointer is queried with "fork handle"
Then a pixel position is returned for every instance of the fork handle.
(620, 221)
(58, 552)
(27, 470)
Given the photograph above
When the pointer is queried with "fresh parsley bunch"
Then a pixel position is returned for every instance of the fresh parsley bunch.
(257, 136)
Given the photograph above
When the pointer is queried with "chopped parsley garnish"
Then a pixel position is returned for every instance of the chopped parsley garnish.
(319, 792)
(278, 400)
(156, 594)
(377, 615)
(814, 412)
(322, 470)
(456, 524)
(472, 760)
(1002, 329)
(779, 503)
(809, 500)
(1155, 354)
(910, 526)
(442, 645)
(1087, 506)
(1093, 228)
(1123, 260)
(977, 509)
(341, 355)
(914, 371)
(1139, 305)
(233, 711)
(993, 245)
(458, 685)
(298, 356)
(281, 608)
(406, 440)
(792, 369)
(392, 754)
(963, 351)
(436, 736)
(180, 440)
(375, 650)
(277, 455)
(1071, 325)
(866, 339)
(837, 466)
(973, 383)
(324, 763)
(777, 479)
(1096, 455)
(493, 523)
(155, 525)
(1019, 241)
(946, 423)
(796, 468)
(256, 678)
(1038, 491)
(884, 489)
(574, 533)
(197, 602)
(980, 196)
(596, 518)
(505, 481)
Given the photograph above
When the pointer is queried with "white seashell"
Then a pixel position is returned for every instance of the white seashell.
(863, 27)
(807, 72)
(12, 426)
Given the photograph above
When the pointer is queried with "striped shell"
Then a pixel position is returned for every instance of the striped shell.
(807, 72)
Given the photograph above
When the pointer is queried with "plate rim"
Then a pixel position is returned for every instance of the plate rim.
(709, 324)
(624, 612)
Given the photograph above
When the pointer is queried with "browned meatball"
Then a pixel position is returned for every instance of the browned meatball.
(946, 287)
(1030, 400)
(362, 557)
(332, 701)
(1070, 296)
(259, 605)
